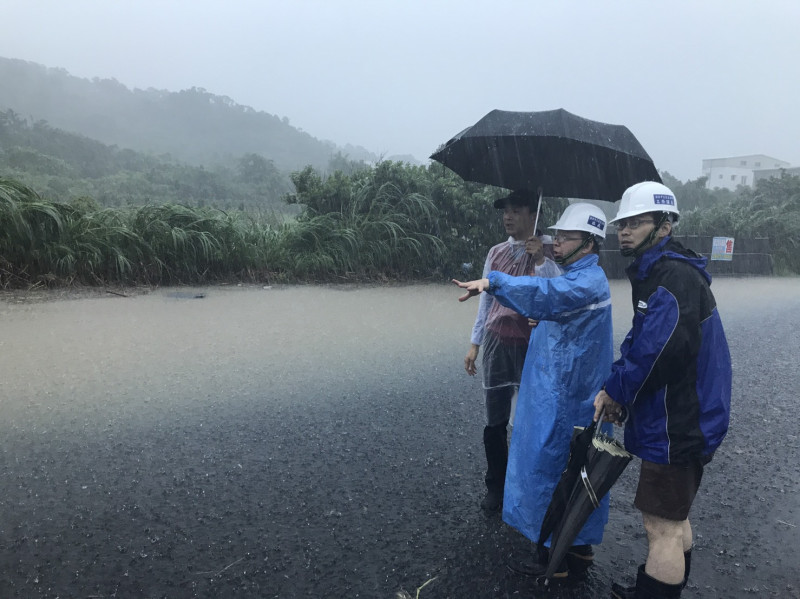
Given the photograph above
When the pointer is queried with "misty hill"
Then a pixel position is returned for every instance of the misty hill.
(69, 167)
(192, 125)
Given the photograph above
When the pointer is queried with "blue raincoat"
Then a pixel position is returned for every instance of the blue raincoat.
(569, 356)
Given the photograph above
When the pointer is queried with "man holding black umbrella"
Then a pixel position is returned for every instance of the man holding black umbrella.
(503, 334)
(569, 355)
(671, 386)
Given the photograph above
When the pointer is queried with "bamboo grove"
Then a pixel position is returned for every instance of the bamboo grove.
(388, 222)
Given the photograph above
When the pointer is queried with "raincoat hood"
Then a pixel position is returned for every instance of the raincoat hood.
(671, 249)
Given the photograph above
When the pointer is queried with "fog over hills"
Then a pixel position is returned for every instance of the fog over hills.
(191, 125)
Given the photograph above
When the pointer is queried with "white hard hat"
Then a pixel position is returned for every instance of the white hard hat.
(644, 197)
(582, 217)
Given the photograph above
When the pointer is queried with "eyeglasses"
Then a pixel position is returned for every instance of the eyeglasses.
(561, 238)
(633, 223)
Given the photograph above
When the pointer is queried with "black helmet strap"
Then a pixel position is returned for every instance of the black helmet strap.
(639, 249)
(563, 259)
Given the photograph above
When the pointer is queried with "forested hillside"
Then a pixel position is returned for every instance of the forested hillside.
(65, 166)
(192, 126)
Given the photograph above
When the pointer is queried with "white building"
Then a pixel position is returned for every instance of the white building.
(729, 173)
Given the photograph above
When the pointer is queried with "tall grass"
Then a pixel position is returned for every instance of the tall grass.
(31, 231)
(379, 234)
(43, 242)
(392, 223)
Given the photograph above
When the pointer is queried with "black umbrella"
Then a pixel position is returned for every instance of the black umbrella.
(554, 151)
(578, 448)
(603, 462)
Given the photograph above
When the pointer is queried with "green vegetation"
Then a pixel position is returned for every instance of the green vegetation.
(770, 210)
(391, 222)
(74, 210)
(67, 166)
(50, 243)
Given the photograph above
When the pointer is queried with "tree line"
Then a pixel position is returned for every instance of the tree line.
(387, 222)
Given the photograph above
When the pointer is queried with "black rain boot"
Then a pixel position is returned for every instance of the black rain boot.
(620, 592)
(534, 563)
(647, 587)
(579, 559)
(495, 442)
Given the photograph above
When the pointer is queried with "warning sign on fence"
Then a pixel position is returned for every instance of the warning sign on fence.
(722, 248)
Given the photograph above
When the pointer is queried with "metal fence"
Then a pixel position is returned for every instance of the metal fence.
(751, 257)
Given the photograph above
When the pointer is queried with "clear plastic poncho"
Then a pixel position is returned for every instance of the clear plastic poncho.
(497, 325)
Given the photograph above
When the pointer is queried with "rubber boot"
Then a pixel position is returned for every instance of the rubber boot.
(620, 592)
(495, 442)
(534, 563)
(579, 559)
(647, 587)
(687, 566)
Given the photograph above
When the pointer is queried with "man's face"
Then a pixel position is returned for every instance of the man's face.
(632, 231)
(564, 243)
(518, 221)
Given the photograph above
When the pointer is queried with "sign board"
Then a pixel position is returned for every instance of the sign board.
(722, 248)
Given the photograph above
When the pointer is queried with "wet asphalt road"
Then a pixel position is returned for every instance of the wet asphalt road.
(325, 442)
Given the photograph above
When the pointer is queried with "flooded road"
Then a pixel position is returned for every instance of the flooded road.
(326, 442)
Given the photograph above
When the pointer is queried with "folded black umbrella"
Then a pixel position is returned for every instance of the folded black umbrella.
(602, 464)
(578, 448)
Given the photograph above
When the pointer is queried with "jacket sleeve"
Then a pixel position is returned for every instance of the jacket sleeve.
(660, 349)
(546, 298)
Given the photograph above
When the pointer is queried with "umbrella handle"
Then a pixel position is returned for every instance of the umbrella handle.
(623, 415)
(597, 428)
(538, 209)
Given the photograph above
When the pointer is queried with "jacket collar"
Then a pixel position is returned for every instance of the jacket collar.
(666, 248)
(584, 262)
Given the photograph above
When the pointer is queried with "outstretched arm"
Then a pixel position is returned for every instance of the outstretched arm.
(473, 288)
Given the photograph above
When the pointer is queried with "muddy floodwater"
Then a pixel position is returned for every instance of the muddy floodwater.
(298, 442)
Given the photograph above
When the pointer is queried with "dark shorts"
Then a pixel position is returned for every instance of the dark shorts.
(668, 490)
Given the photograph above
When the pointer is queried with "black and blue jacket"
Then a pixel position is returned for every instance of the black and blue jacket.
(674, 374)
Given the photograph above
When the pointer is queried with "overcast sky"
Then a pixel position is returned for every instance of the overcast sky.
(690, 79)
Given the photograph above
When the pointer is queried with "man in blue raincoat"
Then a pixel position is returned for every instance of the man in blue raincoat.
(570, 354)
